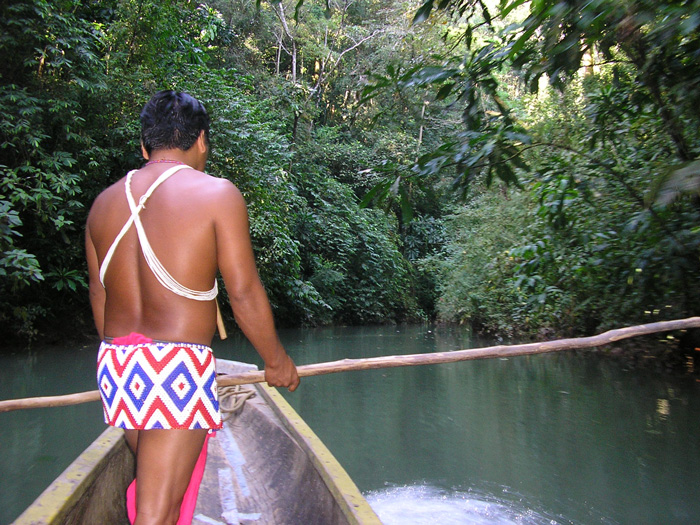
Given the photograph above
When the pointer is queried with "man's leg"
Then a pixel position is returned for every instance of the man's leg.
(132, 439)
(164, 463)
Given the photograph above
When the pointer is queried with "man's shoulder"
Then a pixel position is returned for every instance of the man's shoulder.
(107, 195)
(220, 187)
(220, 181)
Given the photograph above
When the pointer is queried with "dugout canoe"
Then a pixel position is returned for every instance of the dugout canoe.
(265, 467)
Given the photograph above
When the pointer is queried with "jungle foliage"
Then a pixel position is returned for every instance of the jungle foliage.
(520, 166)
(591, 110)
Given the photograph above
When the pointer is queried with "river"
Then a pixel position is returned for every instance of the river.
(562, 438)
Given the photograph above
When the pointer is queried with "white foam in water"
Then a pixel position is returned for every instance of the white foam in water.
(426, 505)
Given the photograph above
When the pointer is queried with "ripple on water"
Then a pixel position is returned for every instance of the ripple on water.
(428, 505)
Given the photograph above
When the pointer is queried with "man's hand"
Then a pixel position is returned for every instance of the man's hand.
(282, 374)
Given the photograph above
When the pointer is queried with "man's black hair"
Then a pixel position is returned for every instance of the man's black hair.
(173, 119)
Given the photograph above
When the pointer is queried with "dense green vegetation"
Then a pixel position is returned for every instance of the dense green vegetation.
(520, 166)
(605, 230)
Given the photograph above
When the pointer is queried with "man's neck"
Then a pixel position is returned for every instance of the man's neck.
(192, 157)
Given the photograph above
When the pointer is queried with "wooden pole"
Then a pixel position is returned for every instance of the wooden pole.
(347, 365)
(220, 322)
(49, 401)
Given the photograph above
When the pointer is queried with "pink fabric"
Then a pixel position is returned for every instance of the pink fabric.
(132, 339)
(189, 501)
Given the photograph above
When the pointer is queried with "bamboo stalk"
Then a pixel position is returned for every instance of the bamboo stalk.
(346, 365)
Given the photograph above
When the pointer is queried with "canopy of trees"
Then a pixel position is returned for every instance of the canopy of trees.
(520, 166)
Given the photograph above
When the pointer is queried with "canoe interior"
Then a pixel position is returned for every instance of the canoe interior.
(266, 467)
(278, 469)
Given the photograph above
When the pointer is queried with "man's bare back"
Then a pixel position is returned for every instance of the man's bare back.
(180, 219)
(196, 225)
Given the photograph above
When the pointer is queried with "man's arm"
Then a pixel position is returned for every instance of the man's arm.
(97, 291)
(251, 307)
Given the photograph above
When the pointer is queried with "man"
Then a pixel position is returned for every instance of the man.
(154, 243)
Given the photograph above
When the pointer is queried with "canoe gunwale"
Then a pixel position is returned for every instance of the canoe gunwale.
(54, 505)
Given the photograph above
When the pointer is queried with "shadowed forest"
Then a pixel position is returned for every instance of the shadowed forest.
(528, 168)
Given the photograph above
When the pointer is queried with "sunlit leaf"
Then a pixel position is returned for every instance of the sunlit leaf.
(423, 12)
(506, 7)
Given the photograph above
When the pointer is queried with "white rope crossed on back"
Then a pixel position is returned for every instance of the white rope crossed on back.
(163, 276)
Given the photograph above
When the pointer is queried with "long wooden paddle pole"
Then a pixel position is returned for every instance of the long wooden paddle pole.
(347, 365)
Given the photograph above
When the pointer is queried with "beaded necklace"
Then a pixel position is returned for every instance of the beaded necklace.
(164, 161)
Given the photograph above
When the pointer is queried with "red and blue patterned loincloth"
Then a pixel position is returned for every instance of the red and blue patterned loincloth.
(158, 385)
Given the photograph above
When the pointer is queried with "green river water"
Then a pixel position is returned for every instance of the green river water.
(560, 438)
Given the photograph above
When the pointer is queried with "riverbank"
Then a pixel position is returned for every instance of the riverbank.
(676, 353)
(668, 355)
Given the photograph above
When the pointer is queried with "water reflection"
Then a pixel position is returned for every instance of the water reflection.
(663, 408)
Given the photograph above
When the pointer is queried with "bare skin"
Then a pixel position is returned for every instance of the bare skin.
(197, 224)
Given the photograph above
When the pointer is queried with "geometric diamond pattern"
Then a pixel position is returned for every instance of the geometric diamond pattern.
(178, 386)
(108, 387)
(158, 385)
(138, 386)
